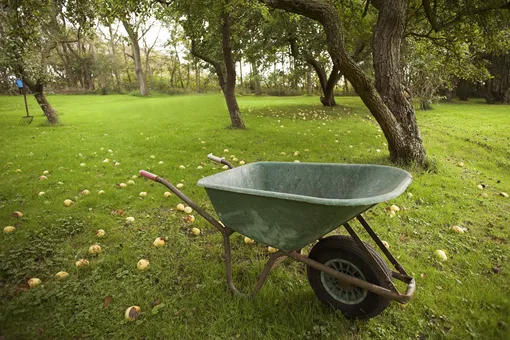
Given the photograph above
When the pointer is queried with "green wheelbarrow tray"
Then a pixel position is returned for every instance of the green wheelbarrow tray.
(290, 205)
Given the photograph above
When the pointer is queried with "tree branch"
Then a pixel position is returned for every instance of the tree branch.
(214, 63)
(431, 17)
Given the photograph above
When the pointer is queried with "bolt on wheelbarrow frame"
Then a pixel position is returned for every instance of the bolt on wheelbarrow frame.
(390, 293)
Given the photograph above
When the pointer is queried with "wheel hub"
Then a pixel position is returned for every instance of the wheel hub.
(344, 293)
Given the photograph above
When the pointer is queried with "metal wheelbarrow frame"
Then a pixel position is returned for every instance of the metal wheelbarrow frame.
(387, 289)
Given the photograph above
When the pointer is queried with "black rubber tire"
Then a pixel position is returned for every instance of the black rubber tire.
(346, 249)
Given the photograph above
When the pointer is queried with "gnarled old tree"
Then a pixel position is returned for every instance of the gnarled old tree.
(387, 101)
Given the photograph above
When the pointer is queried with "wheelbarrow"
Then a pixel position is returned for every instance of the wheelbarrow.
(291, 205)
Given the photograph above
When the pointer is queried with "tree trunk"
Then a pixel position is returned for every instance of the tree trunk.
(38, 91)
(394, 113)
(197, 77)
(230, 70)
(127, 66)
(308, 82)
(329, 92)
(114, 60)
(256, 79)
(241, 73)
(135, 46)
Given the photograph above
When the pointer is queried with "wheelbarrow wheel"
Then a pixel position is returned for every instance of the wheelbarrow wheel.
(343, 254)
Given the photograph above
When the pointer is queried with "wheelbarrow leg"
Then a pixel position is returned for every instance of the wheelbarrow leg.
(374, 263)
(273, 261)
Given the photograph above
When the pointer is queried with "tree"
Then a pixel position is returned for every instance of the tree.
(209, 27)
(386, 101)
(27, 36)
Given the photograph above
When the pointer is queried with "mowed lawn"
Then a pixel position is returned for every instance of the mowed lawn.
(183, 295)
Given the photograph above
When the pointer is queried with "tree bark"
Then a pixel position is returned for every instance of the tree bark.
(308, 82)
(392, 110)
(135, 46)
(230, 70)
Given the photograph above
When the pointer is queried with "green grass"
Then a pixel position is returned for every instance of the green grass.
(456, 299)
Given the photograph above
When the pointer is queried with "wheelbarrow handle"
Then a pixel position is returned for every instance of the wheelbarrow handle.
(220, 160)
(148, 175)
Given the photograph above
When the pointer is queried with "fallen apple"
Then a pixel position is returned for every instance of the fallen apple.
(200, 167)
(188, 210)
(134, 177)
(248, 240)
(100, 233)
(34, 282)
(180, 207)
(100, 192)
(479, 186)
(159, 242)
(9, 229)
(458, 229)
(271, 249)
(161, 162)
(82, 263)
(83, 164)
(132, 313)
(167, 194)
(68, 203)
(85, 192)
(143, 194)
(504, 194)
(130, 182)
(226, 150)
(225, 167)
(152, 156)
(179, 186)
(182, 167)
(461, 164)
(306, 150)
(297, 161)
(106, 160)
(394, 208)
(189, 219)
(46, 172)
(242, 163)
(440, 255)
(122, 185)
(484, 195)
(17, 170)
(234, 159)
(142, 264)
(130, 219)
(43, 178)
(41, 193)
(296, 153)
(386, 244)
(195, 231)
(95, 249)
(17, 214)
(61, 275)
(409, 194)
(392, 213)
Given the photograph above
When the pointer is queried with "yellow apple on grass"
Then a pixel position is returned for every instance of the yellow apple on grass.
(195, 231)
(142, 264)
(68, 203)
(82, 263)
(132, 313)
(159, 242)
(167, 194)
(95, 249)
(100, 233)
(61, 275)
(130, 219)
(9, 229)
(34, 282)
